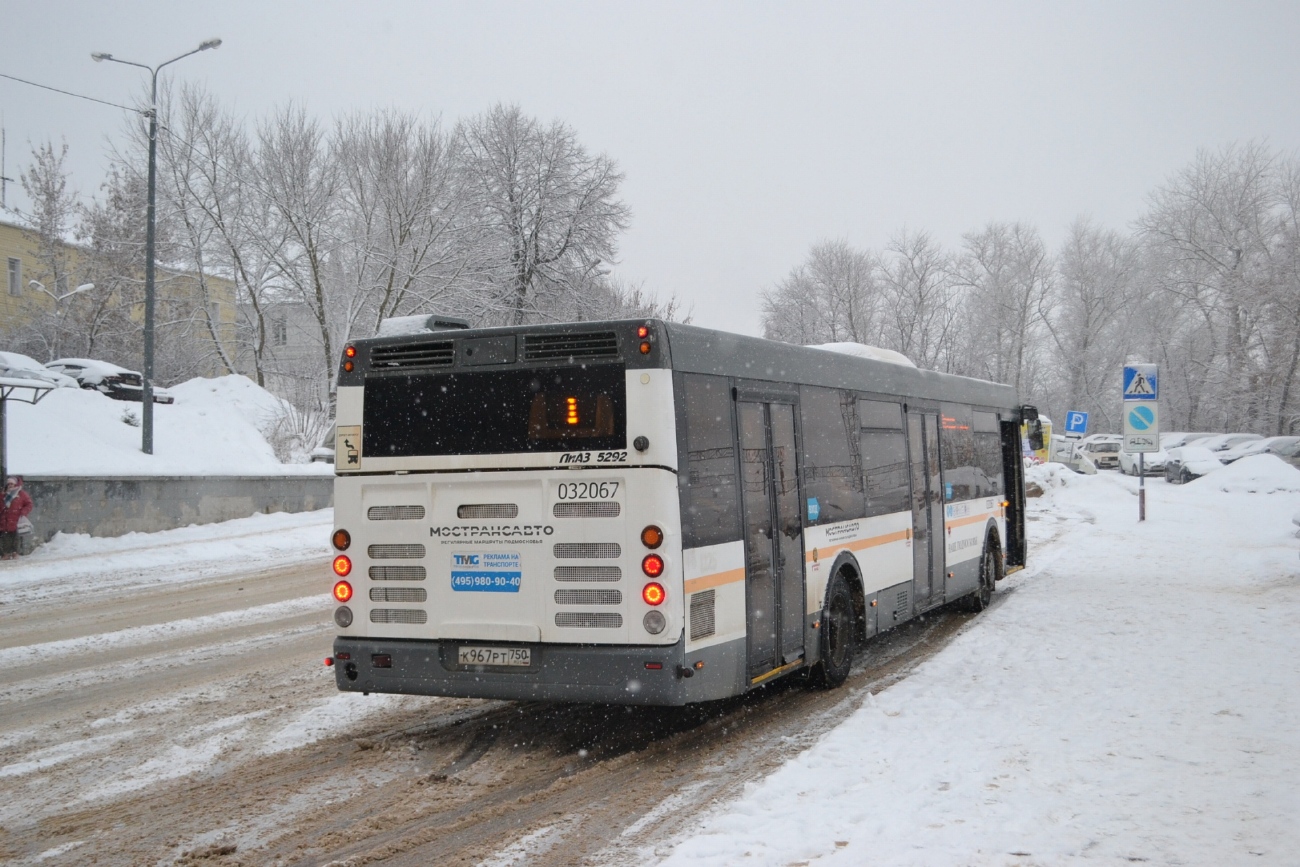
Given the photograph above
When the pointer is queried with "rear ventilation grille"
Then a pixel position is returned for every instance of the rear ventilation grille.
(395, 513)
(587, 573)
(412, 355)
(398, 594)
(397, 573)
(586, 510)
(587, 620)
(702, 622)
(488, 510)
(587, 597)
(398, 615)
(548, 347)
(587, 550)
(395, 552)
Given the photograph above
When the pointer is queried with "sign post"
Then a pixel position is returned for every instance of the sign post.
(1141, 420)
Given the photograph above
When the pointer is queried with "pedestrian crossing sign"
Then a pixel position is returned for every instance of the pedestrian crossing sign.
(1141, 382)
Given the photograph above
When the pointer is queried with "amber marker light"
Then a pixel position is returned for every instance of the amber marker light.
(571, 410)
(653, 565)
(653, 594)
(343, 591)
(348, 365)
(342, 565)
(652, 537)
(645, 347)
(342, 539)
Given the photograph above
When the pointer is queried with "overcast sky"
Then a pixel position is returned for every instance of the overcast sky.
(747, 131)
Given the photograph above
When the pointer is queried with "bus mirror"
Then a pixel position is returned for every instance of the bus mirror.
(1028, 413)
(1035, 429)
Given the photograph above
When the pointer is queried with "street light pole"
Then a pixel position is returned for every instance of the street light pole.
(146, 397)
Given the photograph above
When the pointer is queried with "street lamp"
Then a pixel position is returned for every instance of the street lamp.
(39, 286)
(146, 445)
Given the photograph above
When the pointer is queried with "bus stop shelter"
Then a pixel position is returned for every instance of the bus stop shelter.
(22, 389)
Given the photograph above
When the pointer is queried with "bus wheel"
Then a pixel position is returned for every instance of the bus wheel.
(837, 635)
(989, 575)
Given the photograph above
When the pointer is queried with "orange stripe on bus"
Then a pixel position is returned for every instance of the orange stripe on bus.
(861, 544)
(717, 579)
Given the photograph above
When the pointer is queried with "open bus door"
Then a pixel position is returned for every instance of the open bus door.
(1013, 471)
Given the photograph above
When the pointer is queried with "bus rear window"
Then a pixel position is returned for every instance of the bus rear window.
(495, 412)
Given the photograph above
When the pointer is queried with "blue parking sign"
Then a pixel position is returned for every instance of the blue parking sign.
(1076, 422)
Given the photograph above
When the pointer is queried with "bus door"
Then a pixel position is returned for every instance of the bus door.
(774, 590)
(927, 507)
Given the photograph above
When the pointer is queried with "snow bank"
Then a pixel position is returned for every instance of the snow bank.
(214, 428)
(1257, 474)
(861, 350)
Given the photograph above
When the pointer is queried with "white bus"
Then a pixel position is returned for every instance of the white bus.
(651, 513)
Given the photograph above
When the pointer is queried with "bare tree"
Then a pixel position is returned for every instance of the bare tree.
(920, 313)
(832, 297)
(550, 210)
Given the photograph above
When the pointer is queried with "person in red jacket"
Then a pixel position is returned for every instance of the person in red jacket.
(17, 504)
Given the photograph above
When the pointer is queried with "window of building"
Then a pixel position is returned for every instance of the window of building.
(709, 494)
(15, 276)
(279, 331)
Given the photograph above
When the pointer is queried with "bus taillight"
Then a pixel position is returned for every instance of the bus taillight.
(653, 565)
(342, 539)
(342, 565)
(343, 591)
(653, 594)
(652, 537)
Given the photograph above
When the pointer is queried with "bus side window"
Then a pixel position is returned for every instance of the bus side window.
(884, 457)
(988, 453)
(832, 464)
(710, 504)
(962, 478)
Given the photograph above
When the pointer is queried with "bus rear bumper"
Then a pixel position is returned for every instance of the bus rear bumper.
(642, 675)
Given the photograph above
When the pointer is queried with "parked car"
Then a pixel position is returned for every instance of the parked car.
(15, 365)
(1255, 447)
(1190, 462)
(1153, 463)
(324, 453)
(1223, 442)
(1289, 453)
(107, 378)
(1174, 439)
(1104, 453)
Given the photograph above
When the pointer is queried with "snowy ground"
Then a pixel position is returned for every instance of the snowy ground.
(1133, 699)
(215, 428)
(1130, 698)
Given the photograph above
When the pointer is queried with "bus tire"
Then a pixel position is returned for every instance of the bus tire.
(838, 635)
(990, 574)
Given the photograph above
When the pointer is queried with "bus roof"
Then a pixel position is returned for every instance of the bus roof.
(692, 349)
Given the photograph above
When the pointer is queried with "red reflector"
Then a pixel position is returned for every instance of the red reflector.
(654, 666)
(653, 565)
(653, 594)
(381, 660)
(342, 656)
(329, 661)
(343, 591)
(342, 565)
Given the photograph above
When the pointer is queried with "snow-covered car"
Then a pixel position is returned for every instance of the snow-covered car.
(1104, 453)
(324, 453)
(1153, 463)
(15, 365)
(1223, 442)
(107, 378)
(1256, 447)
(1190, 462)
(1174, 439)
(1289, 453)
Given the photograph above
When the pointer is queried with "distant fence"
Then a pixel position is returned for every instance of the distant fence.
(145, 504)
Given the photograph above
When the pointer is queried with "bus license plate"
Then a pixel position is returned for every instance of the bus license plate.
(521, 656)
